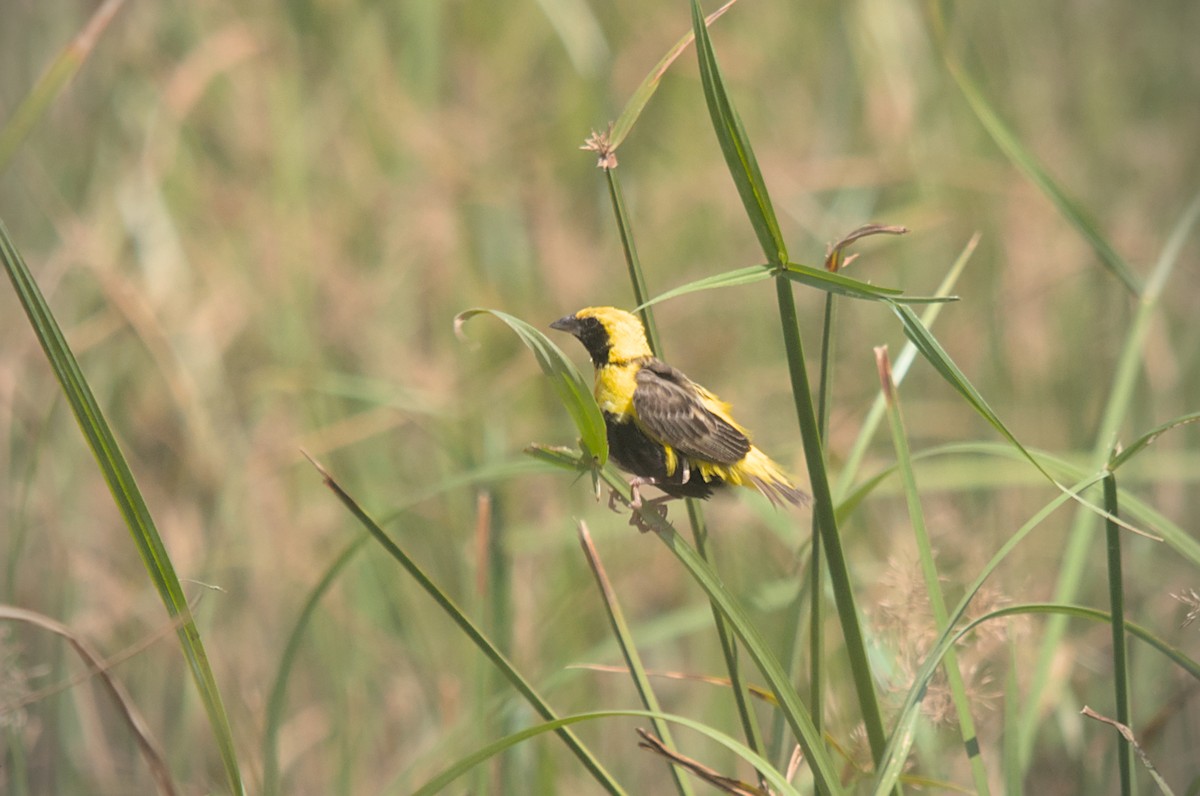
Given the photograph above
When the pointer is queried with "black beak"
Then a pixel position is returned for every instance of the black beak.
(567, 323)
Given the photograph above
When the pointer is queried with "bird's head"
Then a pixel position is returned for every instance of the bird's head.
(609, 334)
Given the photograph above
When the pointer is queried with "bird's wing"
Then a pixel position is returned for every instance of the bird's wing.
(671, 409)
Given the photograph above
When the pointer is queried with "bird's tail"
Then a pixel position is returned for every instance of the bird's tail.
(760, 472)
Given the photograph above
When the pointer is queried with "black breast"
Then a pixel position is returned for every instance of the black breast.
(636, 453)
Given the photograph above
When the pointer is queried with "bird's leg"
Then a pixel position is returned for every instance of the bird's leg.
(635, 495)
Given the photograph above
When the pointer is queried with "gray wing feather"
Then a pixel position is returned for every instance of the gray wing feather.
(669, 408)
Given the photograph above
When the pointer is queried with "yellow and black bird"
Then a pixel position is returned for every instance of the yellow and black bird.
(662, 426)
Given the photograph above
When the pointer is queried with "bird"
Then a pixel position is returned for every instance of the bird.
(664, 428)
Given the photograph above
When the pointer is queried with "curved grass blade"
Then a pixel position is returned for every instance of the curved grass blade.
(51, 84)
(100, 668)
(735, 145)
(740, 276)
(641, 96)
(1174, 536)
(471, 631)
(928, 345)
(1119, 405)
(788, 700)
(900, 740)
(275, 704)
(1144, 441)
(855, 288)
(1023, 159)
(774, 778)
(910, 711)
(127, 496)
(802, 274)
(574, 392)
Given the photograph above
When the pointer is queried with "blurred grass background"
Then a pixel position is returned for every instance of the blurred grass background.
(258, 222)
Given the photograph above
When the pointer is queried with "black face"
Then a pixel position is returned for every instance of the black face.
(590, 332)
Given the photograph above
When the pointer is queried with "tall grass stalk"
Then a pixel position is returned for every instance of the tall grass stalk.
(1116, 410)
(472, 631)
(1116, 598)
(933, 586)
(127, 496)
(695, 514)
(633, 660)
(743, 167)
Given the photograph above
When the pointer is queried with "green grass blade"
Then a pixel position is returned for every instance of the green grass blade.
(787, 699)
(1023, 159)
(801, 274)
(739, 276)
(928, 345)
(903, 362)
(903, 735)
(633, 660)
(649, 85)
(826, 518)
(695, 514)
(933, 586)
(1116, 599)
(572, 390)
(31, 109)
(1118, 406)
(774, 778)
(1175, 537)
(632, 262)
(471, 631)
(735, 145)
(1170, 652)
(126, 494)
(1144, 441)
(855, 288)
(901, 738)
(276, 702)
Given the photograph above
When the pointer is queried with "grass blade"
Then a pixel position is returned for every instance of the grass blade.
(928, 345)
(98, 666)
(899, 371)
(493, 654)
(804, 275)
(572, 390)
(1118, 406)
(826, 519)
(781, 785)
(787, 699)
(26, 115)
(633, 660)
(735, 145)
(933, 586)
(743, 167)
(1116, 599)
(127, 496)
(275, 703)
(1024, 160)
(1144, 441)
(901, 738)
(854, 288)
(649, 85)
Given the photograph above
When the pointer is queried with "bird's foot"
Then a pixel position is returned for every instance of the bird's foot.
(637, 504)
